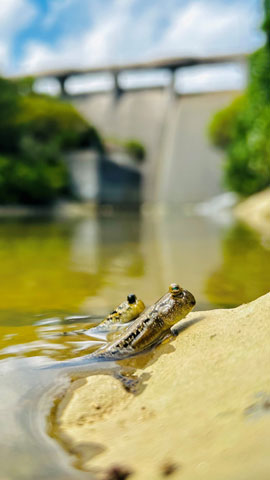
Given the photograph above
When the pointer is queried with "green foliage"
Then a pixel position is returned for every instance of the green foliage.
(222, 126)
(242, 129)
(25, 85)
(248, 167)
(259, 78)
(35, 131)
(47, 117)
(135, 149)
(266, 22)
(9, 106)
(132, 147)
(245, 137)
(242, 277)
(37, 176)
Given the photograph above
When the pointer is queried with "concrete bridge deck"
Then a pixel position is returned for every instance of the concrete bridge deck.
(170, 63)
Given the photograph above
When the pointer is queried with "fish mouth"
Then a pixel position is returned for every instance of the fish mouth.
(190, 298)
(193, 301)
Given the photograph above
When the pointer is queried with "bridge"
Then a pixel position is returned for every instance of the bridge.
(172, 65)
(181, 165)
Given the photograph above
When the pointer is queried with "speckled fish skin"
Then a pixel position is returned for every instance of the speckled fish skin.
(147, 331)
(151, 326)
(124, 313)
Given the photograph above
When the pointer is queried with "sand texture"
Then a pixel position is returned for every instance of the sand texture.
(255, 212)
(203, 412)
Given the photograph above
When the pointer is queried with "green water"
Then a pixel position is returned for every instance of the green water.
(53, 273)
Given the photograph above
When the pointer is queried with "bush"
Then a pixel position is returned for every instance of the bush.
(9, 106)
(132, 147)
(245, 138)
(222, 126)
(35, 131)
(46, 117)
(37, 176)
(242, 129)
(135, 149)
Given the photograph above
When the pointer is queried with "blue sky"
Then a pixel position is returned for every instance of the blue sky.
(42, 34)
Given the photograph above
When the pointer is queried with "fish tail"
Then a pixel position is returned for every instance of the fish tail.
(69, 364)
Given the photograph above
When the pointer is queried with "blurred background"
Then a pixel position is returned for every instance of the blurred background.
(128, 133)
(134, 152)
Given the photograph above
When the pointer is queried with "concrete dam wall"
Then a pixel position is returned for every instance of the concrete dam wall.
(181, 165)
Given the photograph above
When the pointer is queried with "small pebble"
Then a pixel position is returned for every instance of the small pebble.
(117, 473)
(169, 468)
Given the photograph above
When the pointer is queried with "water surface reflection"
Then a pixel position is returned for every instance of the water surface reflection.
(244, 273)
(53, 271)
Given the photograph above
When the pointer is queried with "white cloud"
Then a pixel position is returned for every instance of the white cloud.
(202, 28)
(47, 85)
(144, 79)
(4, 54)
(116, 36)
(188, 80)
(14, 15)
(104, 81)
(211, 78)
(88, 83)
(98, 45)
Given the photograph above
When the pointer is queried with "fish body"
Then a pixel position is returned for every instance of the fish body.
(124, 313)
(145, 332)
(151, 327)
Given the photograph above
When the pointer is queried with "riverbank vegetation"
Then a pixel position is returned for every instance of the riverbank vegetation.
(242, 130)
(132, 147)
(35, 132)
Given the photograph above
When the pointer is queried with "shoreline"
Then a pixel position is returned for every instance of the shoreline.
(59, 210)
(255, 212)
(202, 408)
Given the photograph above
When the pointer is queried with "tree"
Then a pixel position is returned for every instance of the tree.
(35, 132)
(242, 130)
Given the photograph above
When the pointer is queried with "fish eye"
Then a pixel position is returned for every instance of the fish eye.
(175, 289)
(131, 298)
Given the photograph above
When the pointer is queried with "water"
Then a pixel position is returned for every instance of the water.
(54, 274)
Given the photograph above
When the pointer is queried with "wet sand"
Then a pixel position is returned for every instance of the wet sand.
(203, 410)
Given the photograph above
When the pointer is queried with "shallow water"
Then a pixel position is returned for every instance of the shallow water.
(54, 274)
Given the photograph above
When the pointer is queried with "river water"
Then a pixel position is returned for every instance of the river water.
(54, 274)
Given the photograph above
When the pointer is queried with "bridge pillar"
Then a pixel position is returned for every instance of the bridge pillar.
(117, 90)
(171, 85)
(62, 80)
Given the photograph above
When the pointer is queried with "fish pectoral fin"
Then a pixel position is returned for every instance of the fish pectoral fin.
(130, 383)
(167, 338)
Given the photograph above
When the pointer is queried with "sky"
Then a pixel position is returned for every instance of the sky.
(38, 35)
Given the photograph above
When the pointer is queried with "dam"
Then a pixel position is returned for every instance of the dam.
(180, 165)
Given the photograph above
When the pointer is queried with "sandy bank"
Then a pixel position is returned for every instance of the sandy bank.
(255, 212)
(205, 408)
